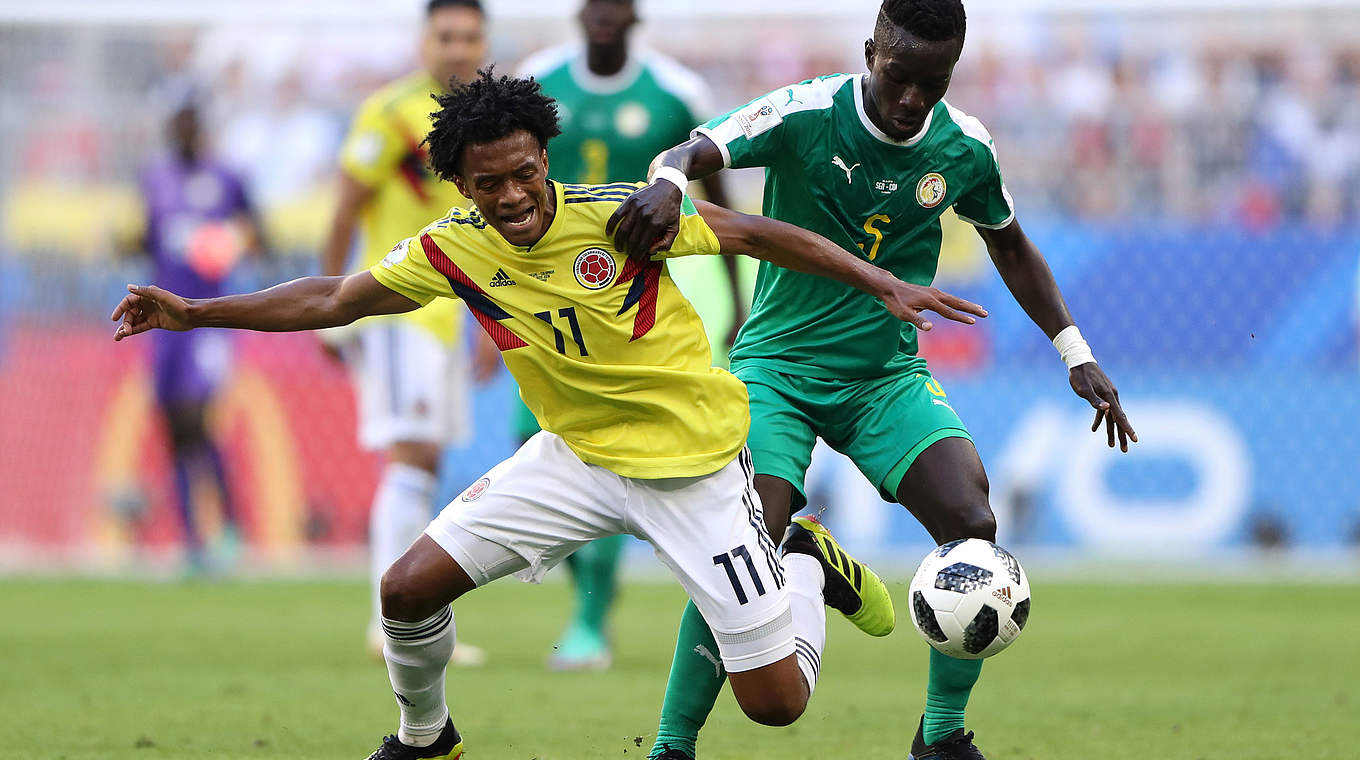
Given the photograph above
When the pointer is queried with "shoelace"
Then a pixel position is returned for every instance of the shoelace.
(388, 741)
(964, 747)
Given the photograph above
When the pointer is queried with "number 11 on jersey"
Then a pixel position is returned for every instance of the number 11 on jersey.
(569, 314)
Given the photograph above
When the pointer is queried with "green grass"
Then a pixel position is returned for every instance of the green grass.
(114, 670)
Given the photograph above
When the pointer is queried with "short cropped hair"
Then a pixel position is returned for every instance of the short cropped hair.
(933, 20)
(485, 110)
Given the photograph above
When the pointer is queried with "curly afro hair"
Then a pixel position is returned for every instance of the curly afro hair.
(485, 110)
(933, 20)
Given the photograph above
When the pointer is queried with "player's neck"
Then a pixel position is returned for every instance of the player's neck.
(870, 106)
(549, 214)
(606, 60)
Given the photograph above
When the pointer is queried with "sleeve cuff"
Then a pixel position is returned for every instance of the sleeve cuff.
(999, 226)
(722, 147)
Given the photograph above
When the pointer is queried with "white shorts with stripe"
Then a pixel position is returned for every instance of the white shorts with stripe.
(411, 387)
(537, 507)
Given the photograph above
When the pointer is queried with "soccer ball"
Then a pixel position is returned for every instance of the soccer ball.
(970, 599)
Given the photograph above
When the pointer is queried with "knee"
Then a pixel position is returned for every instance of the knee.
(774, 709)
(403, 596)
(971, 519)
(187, 429)
(419, 454)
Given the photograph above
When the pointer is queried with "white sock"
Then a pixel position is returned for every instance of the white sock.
(805, 581)
(402, 508)
(417, 657)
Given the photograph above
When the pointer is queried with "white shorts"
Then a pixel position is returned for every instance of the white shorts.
(411, 387)
(540, 505)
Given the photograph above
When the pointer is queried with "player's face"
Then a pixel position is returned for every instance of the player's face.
(454, 44)
(184, 132)
(907, 77)
(508, 180)
(606, 22)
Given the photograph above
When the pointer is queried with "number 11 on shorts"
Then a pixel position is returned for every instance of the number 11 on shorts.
(727, 564)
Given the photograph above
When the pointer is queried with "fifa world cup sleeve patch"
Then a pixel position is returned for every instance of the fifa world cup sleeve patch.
(757, 118)
(397, 254)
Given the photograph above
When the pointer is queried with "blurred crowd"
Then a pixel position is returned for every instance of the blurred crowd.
(1096, 119)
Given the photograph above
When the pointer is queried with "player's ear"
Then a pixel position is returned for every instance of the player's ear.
(461, 185)
(543, 156)
(869, 53)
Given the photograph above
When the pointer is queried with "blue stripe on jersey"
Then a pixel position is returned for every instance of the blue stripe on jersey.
(595, 199)
(630, 186)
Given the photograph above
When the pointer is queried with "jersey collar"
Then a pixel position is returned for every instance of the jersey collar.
(597, 85)
(878, 133)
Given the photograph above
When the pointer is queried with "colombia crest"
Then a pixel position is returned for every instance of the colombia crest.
(595, 268)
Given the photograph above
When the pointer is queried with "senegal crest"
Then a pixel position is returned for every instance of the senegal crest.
(930, 190)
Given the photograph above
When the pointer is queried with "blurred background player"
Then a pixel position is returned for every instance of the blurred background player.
(199, 223)
(412, 378)
(619, 106)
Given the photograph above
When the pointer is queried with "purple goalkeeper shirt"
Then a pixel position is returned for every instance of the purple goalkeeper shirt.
(181, 201)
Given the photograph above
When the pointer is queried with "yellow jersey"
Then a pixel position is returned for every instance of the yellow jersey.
(383, 152)
(607, 352)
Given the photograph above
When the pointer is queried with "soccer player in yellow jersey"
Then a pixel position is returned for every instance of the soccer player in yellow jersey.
(410, 372)
(641, 434)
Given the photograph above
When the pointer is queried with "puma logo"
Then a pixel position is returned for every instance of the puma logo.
(707, 655)
(836, 160)
(792, 99)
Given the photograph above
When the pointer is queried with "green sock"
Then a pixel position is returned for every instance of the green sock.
(696, 680)
(595, 568)
(951, 681)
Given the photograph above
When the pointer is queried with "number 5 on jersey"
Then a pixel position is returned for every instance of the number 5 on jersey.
(871, 227)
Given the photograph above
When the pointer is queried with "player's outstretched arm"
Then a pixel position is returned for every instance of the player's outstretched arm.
(308, 303)
(795, 248)
(647, 220)
(1026, 274)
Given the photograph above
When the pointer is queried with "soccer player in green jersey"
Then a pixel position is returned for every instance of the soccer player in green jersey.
(620, 105)
(870, 161)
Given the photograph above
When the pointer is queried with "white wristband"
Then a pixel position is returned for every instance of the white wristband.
(671, 175)
(1072, 347)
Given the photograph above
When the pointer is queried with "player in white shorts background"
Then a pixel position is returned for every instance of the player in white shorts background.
(411, 372)
(640, 434)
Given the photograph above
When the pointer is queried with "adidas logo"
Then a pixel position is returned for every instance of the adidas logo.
(501, 279)
(1004, 594)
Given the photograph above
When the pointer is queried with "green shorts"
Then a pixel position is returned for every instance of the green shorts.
(881, 423)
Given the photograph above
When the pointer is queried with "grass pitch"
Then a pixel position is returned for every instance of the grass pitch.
(120, 670)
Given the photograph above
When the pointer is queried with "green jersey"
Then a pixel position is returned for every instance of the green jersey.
(830, 170)
(612, 127)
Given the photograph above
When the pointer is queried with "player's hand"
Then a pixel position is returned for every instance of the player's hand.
(1090, 382)
(647, 221)
(906, 302)
(146, 307)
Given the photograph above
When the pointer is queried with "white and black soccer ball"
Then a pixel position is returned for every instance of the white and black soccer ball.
(970, 599)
